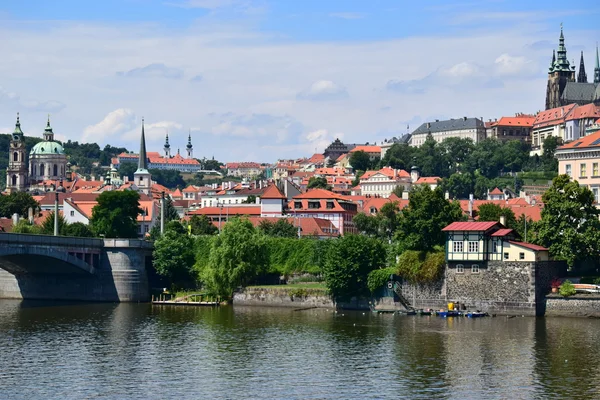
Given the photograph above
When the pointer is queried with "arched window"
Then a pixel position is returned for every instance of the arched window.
(55, 170)
(14, 180)
(15, 156)
(42, 169)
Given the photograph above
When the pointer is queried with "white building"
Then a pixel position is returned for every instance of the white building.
(383, 182)
(466, 128)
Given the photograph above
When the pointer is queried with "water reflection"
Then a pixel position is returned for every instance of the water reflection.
(140, 351)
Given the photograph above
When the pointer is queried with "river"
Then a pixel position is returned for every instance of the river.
(139, 351)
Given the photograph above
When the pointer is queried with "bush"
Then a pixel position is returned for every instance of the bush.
(378, 278)
(419, 266)
(567, 289)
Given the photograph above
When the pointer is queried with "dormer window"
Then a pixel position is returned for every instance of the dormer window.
(297, 204)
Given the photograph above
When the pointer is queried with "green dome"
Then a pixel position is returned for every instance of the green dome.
(47, 148)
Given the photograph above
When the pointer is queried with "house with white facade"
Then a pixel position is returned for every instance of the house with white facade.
(547, 123)
(466, 128)
(383, 182)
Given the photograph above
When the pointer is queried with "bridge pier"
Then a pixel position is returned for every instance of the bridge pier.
(64, 268)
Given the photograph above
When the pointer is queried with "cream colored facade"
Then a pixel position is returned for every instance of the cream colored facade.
(381, 185)
(512, 251)
(582, 165)
(538, 135)
(467, 246)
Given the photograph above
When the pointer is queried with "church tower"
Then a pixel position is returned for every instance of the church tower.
(167, 147)
(16, 173)
(142, 177)
(189, 147)
(597, 68)
(582, 76)
(559, 74)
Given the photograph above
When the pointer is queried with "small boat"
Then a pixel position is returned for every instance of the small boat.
(476, 314)
(446, 314)
(424, 312)
(407, 312)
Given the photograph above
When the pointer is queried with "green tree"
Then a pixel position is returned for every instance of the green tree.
(47, 227)
(421, 224)
(398, 191)
(201, 225)
(348, 262)
(360, 161)
(171, 213)
(455, 152)
(127, 169)
(213, 165)
(318, 182)
(281, 228)
(173, 257)
(168, 177)
(176, 226)
(78, 229)
(549, 162)
(459, 185)
(237, 255)
(493, 212)
(569, 226)
(115, 215)
(23, 226)
(17, 202)
(366, 224)
(389, 219)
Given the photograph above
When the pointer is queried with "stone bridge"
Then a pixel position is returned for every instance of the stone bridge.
(70, 268)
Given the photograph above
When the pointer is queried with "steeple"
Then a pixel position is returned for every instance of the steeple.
(597, 68)
(18, 130)
(562, 64)
(48, 134)
(143, 160)
(142, 177)
(582, 77)
(189, 147)
(167, 147)
(551, 69)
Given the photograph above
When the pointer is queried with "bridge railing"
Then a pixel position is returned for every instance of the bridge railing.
(136, 243)
(47, 240)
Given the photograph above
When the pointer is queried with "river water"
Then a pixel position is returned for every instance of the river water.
(139, 351)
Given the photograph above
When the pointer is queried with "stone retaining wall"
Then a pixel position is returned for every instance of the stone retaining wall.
(575, 306)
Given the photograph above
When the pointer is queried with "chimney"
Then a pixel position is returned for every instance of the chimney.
(471, 205)
(447, 195)
(503, 220)
(126, 179)
(464, 118)
(15, 219)
(428, 125)
(30, 215)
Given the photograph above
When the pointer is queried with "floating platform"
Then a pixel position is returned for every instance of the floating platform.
(186, 303)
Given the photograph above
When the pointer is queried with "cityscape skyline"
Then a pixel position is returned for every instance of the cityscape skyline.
(261, 80)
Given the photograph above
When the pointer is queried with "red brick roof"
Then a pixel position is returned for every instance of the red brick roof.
(387, 171)
(471, 226)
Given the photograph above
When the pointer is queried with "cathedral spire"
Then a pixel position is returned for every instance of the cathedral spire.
(597, 68)
(582, 77)
(189, 147)
(551, 69)
(562, 64)
(48, 134)
(167, 146)
(143, 160)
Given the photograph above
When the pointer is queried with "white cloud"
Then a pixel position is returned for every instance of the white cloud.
(115, 123)
(281, 128)
(155, 70)
(155, 131)
(13, 100)
(323, 90)
(507, 65)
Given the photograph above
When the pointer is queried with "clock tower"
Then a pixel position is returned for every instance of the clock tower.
(16, 173)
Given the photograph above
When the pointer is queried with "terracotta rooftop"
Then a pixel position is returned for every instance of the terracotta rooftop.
(592, 140)
(530, 246)
(471, 226)
(553, 116)
(272, 192)
(366, 149)
(496, 191)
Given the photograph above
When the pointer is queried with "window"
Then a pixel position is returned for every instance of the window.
(495, 247)
(72, 213)
(595, 169)
(521, 256)
(474, 269)
(473, 247)
(460, 269)
(506, 256)
(297, 204)
(595, 191)
(457, 247)
(568, 169)
(582, 170)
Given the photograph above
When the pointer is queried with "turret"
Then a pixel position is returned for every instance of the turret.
(597, 68)
(48, 134)
(167, 147)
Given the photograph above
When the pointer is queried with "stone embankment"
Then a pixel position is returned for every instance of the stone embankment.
(580, 305)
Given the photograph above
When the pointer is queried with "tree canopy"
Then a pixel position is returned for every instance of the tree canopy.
(16, 202)
(317, 182)
(173, 255)
(360, 161)
(115, 215)
(201, 225)
(281, 228)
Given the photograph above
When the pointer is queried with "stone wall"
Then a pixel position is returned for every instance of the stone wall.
(282, 297)
(574, 306)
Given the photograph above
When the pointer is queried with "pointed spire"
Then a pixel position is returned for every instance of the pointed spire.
(48, 134)
(167, 145)
(582, 77)
(18, 130)
(189, 143)
(562, 63)
(143, 160)
(597, 69)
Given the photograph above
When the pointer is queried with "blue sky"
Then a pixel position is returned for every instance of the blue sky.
(261, 80)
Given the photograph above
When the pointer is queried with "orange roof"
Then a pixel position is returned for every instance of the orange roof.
(592, 140)
(585, 111)
(553, 116)
(176, 193)
(190, 188)
(496, 191)
(378, 202)
(316, 158)
(521, 120)
(387, 171)
(155, 158)
(223, 211)
(84, 207)
(367, 149)
(272, 192)
(428, 180)
(151, 207)
(320, 194)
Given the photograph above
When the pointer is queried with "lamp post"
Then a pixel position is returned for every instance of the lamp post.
(162, 212)
(55, 213)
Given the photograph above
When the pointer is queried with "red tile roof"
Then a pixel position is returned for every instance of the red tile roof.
(320, 194)
(387, 171)
(232, 210)
(592, 140)
(471, 226)
(521, 120)
(428, 180)
(496, 191)
(272, 192)
(553, 116)
(502, 232)
(585, 111)
(367, 149)
(530, 246)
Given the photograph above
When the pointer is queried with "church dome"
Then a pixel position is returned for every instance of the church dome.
(47, 148)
